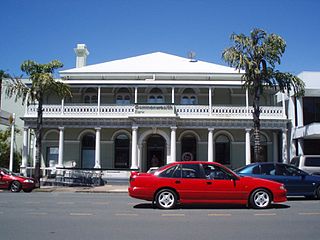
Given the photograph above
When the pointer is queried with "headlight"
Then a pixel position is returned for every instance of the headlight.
(28, 181)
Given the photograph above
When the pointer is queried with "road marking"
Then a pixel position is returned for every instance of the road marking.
(65, 202)
(37, 213)
(100, 203)
(311, 213)
(265, 214)
(126, 214)
(219, 214)
(32, 202)
(173, 215)
(81, 214)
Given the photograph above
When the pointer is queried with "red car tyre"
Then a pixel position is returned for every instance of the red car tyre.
(260, 199)
(15, 186)
(166, 199)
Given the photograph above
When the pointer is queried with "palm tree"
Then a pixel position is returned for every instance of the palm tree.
(42, 83)
(3, 75)
(258, 54)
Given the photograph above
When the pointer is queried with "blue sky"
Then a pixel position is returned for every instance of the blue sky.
(43, 30)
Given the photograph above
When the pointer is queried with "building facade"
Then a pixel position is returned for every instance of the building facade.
(153, 109)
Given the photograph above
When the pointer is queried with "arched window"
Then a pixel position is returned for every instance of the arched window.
(222, 147)
(88, 145)
(121, 151)
(123, 96)
(188, 97)
(90, 95)
(156, 96)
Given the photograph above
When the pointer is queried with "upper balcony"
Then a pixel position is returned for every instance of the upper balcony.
(155, 110)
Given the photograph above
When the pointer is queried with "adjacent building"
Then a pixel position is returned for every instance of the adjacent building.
(153, 109)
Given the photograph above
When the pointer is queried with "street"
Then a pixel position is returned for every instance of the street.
(61, 215)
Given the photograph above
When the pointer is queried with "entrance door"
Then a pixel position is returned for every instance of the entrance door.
(88, 151)
(155, 151)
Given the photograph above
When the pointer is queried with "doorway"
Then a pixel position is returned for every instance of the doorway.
(155, 151)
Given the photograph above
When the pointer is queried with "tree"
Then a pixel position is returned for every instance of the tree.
(258, 54)
(42, 84)
(3, 75)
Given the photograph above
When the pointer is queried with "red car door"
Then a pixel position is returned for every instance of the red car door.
(221, 185)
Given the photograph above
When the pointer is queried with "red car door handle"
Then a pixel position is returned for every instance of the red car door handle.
(178, 182)
(209, 183)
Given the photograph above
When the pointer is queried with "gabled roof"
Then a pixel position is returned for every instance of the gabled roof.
(157, 62)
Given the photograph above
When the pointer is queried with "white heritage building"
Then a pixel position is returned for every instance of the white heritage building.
(151, 110)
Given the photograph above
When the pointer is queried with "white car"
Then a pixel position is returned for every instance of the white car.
(307, 163)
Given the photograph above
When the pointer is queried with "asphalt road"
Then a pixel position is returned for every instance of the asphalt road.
(115, 216)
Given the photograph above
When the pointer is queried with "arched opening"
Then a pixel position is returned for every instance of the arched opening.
(88, 145)
(222, 147)
(123, 96)
(155, 151)
(90, 95)
(121, 151)
(188, 97)
(156, 96)
(188, 148)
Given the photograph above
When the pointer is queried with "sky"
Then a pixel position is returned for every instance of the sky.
(44, 30)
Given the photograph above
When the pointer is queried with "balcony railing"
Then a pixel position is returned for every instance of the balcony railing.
(163, 110)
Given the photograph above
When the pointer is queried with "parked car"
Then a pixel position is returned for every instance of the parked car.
(296, 181)
(14, 182)
(307, 163)
(203, 182)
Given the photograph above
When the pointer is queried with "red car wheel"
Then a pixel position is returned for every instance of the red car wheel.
(260, 199)
(15, 186)
(166, 199)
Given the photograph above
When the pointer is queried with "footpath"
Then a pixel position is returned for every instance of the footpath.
(107, 188)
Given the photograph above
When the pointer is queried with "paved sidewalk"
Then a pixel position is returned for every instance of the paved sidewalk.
(107, 188)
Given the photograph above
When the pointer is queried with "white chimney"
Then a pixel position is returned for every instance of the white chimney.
(82, 53)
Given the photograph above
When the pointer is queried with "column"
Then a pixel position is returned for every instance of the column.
(283, 107)
(25, 148)
(140, 156)
(97, 152)
(62, 106)
(275, 148)
(248, 146)
(99, 99)
(210, 144)
(12, 142)
(134, 162)
(210, 101)
(247, 102)
(135, 95)
(300, 146)
(61, 141)
(284, 146)
(173, 144)
(172, 95)
(299, 112)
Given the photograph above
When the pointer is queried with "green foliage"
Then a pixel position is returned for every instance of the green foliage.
(5, 136)
(258, 55)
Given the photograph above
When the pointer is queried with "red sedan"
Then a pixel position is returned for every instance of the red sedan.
(203, 182)
(14, 182)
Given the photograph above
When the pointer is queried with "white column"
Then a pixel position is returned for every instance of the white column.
(173, 144)
(97, 152)
(62, 106)
(134, 162)
(140, 157)
(12, 142)
(172, 95)
(299, 112)
(247, 102)
(34, 150)
(135, 95)
(275, 147)
(61, 141)
(210, 101)
(284, 146)
(210, 144)
(25, 148)
(283, 107)
(300, 146)
(99, 99)
(248, 146)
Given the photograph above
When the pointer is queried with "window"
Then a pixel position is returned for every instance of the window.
(52, 156)
(122, 151)
(156, 96)
(169, 173)
(267, 169)
(191, 171)
(222, 146)
(312, 162)
(215, 172)
(311, 110)
(123, 96)
(90, 95)
(284, 170)
(188, 97)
